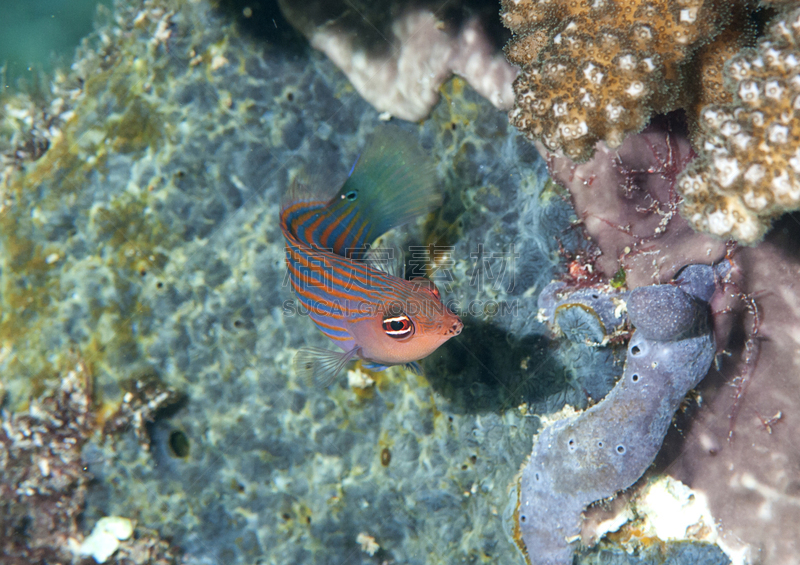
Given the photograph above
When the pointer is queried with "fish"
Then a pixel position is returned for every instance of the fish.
(365, 309)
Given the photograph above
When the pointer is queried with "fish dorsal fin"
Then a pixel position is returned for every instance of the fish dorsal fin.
(319, 367)
(392, 182)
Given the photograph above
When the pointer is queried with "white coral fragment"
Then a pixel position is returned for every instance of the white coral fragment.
(105, 537)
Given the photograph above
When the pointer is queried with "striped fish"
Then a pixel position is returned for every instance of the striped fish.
(369, 313)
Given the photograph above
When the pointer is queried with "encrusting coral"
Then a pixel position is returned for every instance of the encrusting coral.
(398, 57)
(747, 172)
(599, 71)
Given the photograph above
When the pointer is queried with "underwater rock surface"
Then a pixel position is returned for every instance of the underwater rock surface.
(588, 457)
(140, 232)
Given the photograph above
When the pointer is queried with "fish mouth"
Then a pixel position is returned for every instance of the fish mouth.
(456, 328)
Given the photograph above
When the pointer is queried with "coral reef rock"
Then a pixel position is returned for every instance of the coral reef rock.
(599, 70)
(404, 60)
(590, 456)
(739, 446)
(748, 170)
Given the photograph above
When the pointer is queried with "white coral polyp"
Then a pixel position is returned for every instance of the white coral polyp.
(749, 229)
(749, 92)
(627, 63)
(755, 202)
(692, 185)
(688, 15)
(635, 89)
(614, 111)
(572, 132)
(786, 190)
(714, 117)
(727, 170)
(741, 141)
(719, 222)
(730, 128)
(794, 161)
(774, 90)
(755, 173)
(777, 134)
(740, 69)
(587, 100)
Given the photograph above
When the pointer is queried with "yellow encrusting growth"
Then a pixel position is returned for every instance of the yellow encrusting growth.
(748, 171)
(599, 70)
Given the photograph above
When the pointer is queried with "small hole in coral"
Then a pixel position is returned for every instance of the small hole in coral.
(179, 443)
(290, 97)
(522, 518)
(238, 323)
(595, 296)
(536, 476)
(286, 516)
(453, 126)
(635, 350)
(634, 377)
(599, 444)
(142, 272)
(620, 449)
(159, 284)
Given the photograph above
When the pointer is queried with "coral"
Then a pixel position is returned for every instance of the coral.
(126, 241)
(739, 447)
(708, 74)
(604, 68)
(748, 169)
(587, 457)
(398, 64)
(627, 203)
(44, 481)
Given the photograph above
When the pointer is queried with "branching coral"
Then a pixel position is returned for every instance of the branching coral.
(599, 70)
(748, 172)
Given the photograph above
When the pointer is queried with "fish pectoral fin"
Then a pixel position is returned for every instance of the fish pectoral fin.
(319, 367)
(390, 260)
(414, 367)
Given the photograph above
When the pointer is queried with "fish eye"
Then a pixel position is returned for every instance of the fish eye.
(351, 195)
(398, 326)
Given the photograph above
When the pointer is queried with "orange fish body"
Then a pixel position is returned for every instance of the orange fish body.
(370, 314)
